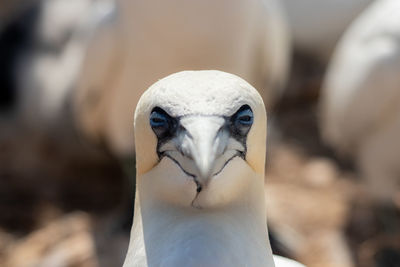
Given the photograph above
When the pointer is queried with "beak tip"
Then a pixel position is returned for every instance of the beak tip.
(205, 173)
(205, 168)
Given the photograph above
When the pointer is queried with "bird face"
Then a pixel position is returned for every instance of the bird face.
(201, 145)
(201, 150)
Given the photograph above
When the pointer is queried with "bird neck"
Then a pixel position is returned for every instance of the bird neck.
(234, 235)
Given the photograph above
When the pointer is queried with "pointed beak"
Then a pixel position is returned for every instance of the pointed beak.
(204, 140)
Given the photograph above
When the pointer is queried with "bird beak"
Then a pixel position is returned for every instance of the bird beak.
(204, 140)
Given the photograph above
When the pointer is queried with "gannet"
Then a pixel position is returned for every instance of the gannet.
(150, 39)
(316, 25)
(200, 154)
(48, 68)
(360, 100)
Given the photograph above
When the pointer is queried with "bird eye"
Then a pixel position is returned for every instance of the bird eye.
(158, 119)
(161, 123)
(245, 117)
(242, 120)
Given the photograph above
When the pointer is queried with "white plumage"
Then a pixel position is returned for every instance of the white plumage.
(200, 148)
(318, 24)
(49, 68)
(151, 39)
(361, 97)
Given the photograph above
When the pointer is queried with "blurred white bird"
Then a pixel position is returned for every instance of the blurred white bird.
(360, 102)
(151, 39)
(200, 150)
(317, 25)
(48, 69)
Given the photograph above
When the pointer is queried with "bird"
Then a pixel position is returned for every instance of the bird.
(149, 39)
(48, 68)
(317, 25)
(359, 105)
(200, 159)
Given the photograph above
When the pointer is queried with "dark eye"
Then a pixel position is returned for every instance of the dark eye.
(245, 117)
(161, 123)
(242, 120)
(158, 119)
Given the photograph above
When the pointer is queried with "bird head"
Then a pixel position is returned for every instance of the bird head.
(200, 139)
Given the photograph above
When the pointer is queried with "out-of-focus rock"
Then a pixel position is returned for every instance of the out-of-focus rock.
(66, 242)
(317, 24)
(151, 39)
(39, 183)
(320, 172)
(307, 206)
(360, 105)
(380, 251)
(111, 241)
(5, 241)
(9, 9)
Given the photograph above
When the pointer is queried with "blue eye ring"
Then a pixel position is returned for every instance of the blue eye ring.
(242, 121)
(244, 116)
(158, 119)
(162, 124)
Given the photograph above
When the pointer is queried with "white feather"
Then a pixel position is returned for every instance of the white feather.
(361, 96)
(49, 68)
(318, 24)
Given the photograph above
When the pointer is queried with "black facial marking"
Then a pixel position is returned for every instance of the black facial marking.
(179, 165)
(167, 127)
(237, 154)
(239, 125)
(199, 187)
(241, 122)
(164, 126)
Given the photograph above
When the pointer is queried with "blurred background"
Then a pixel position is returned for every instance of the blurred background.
(72, 71)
